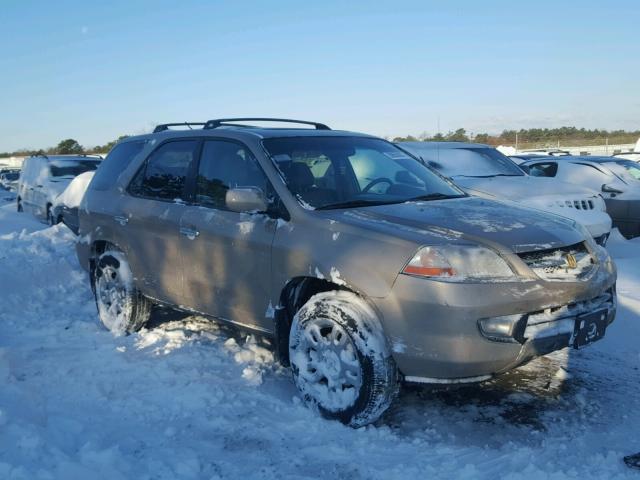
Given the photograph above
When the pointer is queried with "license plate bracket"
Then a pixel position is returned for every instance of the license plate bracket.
(590, 327)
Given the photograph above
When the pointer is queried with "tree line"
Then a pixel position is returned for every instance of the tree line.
(67, 146)
(530, 135)
(540, 136)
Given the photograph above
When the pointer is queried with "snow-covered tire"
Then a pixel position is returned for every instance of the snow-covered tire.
(340, 359)
(19, 207)
(122, 309)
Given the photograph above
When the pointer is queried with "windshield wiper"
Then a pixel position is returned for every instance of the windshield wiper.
(433, 196)
(357, 203)
(493, 175)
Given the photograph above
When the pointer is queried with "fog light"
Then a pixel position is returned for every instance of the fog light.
(499, 329)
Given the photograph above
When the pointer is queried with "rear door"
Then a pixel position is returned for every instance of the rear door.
(29, 191)
(25, 183)
(40, 183)
(227, 255)
(151, 215)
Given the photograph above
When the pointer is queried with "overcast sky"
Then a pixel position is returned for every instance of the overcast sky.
(96, 70)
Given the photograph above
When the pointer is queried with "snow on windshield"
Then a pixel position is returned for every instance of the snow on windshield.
(469, 162)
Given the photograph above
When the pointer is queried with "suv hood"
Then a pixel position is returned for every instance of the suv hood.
(476, 220)
(522, 187)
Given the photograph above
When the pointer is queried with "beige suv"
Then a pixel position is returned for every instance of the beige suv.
(366, 267)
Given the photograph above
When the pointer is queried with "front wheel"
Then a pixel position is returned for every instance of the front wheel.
(20, 209)
(121, 307)
(340, 359)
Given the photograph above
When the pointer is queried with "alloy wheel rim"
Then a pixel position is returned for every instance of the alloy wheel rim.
(327, 363)
(112, 295)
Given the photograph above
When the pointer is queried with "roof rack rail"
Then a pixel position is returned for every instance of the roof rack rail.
(229, 122)
(165, 126)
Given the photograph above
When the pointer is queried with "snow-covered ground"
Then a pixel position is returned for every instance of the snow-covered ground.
(187, 398)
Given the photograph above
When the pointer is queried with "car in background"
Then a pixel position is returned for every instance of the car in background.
(9, 179)
(520, 158)
(44, 177)
(617, 179)
(483, 171)
(635, 156)
(554, 152)
(65, 205)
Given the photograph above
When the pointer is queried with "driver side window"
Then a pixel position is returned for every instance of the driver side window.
(225, 165)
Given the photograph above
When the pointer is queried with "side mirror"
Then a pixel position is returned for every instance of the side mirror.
(246, 199)
(609, 189)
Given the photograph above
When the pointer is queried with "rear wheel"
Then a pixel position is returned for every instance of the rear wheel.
(340, 359)
(121, 307)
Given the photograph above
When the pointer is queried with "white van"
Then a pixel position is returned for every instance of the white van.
(44, 177)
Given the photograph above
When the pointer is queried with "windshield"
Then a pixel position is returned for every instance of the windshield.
(468, 162)
(344, 172)
(72, 168)
(631, 167)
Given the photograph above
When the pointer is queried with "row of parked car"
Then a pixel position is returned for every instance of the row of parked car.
(367, 263)
(9, 178)
(52, 186)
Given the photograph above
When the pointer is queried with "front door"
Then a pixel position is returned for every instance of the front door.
(227, 255)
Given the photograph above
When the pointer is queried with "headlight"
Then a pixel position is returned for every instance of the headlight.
(459, 264)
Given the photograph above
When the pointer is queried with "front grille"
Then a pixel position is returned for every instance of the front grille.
(561, 320)
(564, 264)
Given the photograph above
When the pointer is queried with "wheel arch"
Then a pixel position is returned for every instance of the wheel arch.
(98, 247)
(293, 296)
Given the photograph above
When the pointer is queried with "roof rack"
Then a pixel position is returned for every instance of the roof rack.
(86, 155)
(211, 124)
(165, 126)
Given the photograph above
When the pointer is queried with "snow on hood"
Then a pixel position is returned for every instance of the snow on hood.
(72, 195)
(471, 219)
(522, 188)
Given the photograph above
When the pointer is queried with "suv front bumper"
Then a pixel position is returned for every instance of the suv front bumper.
(434, 331)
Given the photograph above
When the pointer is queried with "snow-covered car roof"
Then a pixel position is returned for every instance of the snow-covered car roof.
(443, 145)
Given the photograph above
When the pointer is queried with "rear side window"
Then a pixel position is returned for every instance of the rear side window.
(163, 176)
(28, 170)
(115, 163)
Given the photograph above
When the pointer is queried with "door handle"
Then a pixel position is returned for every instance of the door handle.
(122, 220)
(190, 233)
